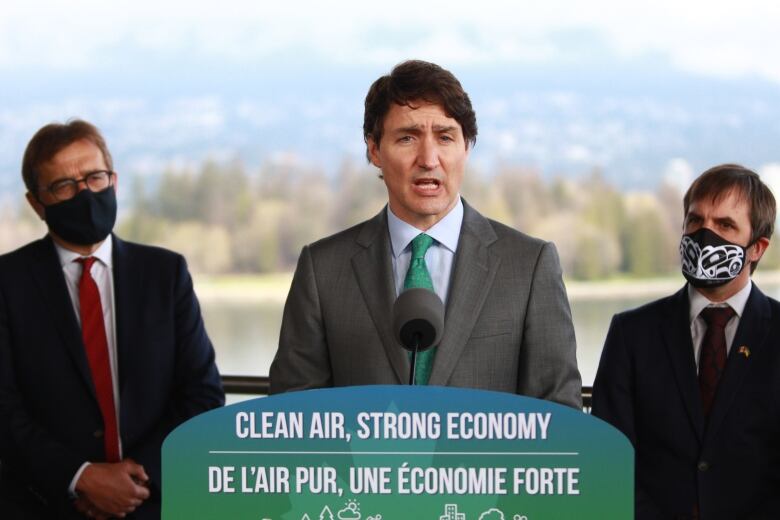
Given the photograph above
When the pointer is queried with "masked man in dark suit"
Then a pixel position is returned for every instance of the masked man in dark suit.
(693, 380)
(102, 346)
(507, 319)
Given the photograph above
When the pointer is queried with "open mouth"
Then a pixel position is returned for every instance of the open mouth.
(427, 184)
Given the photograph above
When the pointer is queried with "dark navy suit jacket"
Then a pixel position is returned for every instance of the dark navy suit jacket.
(50, 422)
(647, 387)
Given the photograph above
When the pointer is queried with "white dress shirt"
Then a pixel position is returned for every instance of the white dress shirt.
(438, 258)
(698, 302)
(102, 273)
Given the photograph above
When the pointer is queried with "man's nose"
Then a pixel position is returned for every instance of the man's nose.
(709, 224)
(428, 154)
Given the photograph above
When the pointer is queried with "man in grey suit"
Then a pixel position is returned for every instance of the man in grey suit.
(507, 320)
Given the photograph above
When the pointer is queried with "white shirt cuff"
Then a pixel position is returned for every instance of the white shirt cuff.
(76, 477)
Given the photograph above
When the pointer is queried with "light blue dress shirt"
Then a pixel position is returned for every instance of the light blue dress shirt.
(439, 256)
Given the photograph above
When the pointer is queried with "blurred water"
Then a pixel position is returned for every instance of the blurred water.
(245, 335)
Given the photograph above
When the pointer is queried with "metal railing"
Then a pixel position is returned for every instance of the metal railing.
(258, 385)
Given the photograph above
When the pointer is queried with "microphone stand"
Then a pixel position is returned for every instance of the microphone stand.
(413, 368)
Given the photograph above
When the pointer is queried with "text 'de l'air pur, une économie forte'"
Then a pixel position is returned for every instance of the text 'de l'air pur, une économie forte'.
(378, 452)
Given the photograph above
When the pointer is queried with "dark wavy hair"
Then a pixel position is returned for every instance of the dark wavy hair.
(414, 81)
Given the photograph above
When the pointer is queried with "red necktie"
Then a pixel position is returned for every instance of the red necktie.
(712, 359)
(93, 331)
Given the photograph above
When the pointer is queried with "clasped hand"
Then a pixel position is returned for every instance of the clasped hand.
(108, 490)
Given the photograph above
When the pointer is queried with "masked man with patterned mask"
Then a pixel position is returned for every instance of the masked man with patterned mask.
(693, 380)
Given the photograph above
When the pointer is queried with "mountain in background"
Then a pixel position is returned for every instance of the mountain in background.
(636, 120)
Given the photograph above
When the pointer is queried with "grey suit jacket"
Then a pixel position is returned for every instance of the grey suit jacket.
(507, 322)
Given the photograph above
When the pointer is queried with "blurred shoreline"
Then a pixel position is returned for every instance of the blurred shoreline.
(273, 287)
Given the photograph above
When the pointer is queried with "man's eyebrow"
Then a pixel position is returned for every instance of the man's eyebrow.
(81, 173)
(725, 220)
(418, 128)
(444, 128)
(406, 129)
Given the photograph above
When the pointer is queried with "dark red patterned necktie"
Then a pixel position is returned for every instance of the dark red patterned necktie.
(93, 332)
(712, 359)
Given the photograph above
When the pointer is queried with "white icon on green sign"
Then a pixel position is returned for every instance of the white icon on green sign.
(451, 513)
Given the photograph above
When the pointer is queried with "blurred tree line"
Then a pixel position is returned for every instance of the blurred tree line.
(225, 219)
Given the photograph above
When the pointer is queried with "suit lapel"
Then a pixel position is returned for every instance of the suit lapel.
(48, 275)
(473, 274)
(374, 273)
(126, 282)
(751, 333)
(679, 346)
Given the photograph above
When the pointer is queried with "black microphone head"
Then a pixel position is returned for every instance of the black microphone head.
(418, 318)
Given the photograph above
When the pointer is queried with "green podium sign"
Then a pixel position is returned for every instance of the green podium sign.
(397, 453)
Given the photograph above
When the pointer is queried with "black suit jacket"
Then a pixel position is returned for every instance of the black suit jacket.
(647, 387)
(50, 422)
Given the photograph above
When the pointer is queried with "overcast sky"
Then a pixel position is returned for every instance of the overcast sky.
(664, 88)
(714, 37)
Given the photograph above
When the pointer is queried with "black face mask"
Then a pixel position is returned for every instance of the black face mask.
(709, 260)
(85, 219)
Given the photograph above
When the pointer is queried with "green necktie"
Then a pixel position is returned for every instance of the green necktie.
(418, 277)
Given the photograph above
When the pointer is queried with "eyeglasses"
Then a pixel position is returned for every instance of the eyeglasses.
(65, 189)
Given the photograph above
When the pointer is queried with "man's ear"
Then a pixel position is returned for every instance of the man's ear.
(373, 152)
(35, 205)
(756, 251)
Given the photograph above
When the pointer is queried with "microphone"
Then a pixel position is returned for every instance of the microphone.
(418, 322)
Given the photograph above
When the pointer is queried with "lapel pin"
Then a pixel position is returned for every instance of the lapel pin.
(744, 351)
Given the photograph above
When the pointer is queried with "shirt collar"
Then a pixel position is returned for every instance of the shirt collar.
(445, 232)
(103, 253)
(698, 301)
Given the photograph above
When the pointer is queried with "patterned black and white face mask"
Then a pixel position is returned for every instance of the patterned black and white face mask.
(709, 260)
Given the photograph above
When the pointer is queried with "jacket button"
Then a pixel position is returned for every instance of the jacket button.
(703, 466)
(97, 434)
